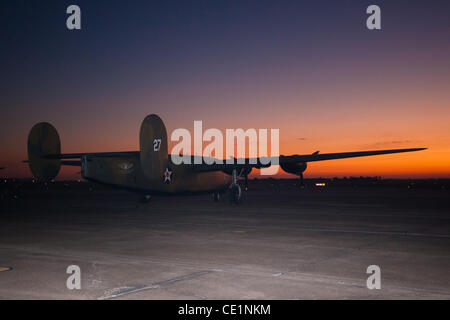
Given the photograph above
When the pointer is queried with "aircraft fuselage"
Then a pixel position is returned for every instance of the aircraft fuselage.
(126, 172)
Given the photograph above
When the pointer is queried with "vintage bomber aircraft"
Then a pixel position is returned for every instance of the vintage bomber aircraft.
(151, 171)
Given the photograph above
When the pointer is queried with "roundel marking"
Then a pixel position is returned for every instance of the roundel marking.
(167, 175)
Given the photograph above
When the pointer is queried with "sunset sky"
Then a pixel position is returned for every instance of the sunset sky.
(310, 68)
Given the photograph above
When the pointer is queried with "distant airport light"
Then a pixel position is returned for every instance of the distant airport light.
(320, 184)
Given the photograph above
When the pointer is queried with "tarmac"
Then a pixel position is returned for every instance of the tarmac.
(281, 242)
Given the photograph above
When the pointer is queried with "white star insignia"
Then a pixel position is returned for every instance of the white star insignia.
(168, 175)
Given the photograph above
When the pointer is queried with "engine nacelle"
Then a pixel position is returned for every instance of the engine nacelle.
(296, 168)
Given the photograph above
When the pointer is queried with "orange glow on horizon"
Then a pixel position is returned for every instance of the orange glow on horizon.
(321, 78)
(422, 164)
(419, 121)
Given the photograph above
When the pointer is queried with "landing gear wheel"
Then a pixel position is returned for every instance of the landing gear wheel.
(216, 196)
(235, 194)
(301, 182)
(145, 198)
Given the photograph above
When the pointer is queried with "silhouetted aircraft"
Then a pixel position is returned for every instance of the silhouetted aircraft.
(151, 170)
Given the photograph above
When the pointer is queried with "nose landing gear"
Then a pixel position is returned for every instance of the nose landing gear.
(235, 194)
(235, 189)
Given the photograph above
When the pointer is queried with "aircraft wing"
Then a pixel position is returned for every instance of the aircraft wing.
(316, 156)
(94, 154)
(341, 155)
(246, 163)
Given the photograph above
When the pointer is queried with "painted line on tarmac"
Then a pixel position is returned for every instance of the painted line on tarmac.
(394, 233)
(129, 290)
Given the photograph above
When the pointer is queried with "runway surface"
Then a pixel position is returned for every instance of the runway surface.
(280, 243)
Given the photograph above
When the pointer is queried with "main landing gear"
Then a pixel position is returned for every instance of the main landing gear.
(144, 198)
(216, 196)
(301, 182)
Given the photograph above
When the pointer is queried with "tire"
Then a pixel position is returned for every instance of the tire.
(144, 198)
(235, 194)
